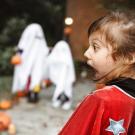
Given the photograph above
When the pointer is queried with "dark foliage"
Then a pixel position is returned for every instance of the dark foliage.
(17, 14)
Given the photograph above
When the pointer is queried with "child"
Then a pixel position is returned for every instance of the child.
(111, 109)
(33, 50)
(60, 70)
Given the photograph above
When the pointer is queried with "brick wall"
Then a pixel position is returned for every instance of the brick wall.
(83, 13)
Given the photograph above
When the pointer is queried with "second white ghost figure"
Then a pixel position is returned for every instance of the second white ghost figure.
(33, 50)
(60, 70)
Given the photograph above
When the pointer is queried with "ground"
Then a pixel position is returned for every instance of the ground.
(42, 118)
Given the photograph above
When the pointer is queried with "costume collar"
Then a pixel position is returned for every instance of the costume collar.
(127, 84)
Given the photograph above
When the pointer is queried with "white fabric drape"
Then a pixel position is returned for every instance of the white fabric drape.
(60, 69)
(34, 54)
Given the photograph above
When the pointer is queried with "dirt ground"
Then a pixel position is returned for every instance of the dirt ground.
(42, 118)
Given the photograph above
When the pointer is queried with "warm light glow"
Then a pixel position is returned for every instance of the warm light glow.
(68, 21)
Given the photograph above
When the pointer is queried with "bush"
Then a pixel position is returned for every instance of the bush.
(8, 40)
(5, 67)
(5, 87)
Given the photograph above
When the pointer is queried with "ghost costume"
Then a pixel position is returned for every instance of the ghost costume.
(33, 54)
(60, 70)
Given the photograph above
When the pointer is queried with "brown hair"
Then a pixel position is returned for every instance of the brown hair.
(119, 31)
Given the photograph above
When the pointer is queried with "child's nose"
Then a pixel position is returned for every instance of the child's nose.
(86, 53)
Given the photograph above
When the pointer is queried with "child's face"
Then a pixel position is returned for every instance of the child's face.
(99, 55)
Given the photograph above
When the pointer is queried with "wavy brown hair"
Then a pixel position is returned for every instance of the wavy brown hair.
(118, 29)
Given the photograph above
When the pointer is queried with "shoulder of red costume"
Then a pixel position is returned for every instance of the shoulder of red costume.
(107, 93)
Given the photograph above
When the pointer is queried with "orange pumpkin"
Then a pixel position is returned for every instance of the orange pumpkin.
(16, 59)
(47, 82)
(5, 120)
(5, 104)
(21, 94)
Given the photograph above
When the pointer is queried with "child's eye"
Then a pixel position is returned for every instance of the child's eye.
(95, 46)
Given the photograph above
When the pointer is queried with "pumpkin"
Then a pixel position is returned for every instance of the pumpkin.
(47, 82)
(16, 59)
(5, 120)
(21, 94)
(11, 129)
(5, 104)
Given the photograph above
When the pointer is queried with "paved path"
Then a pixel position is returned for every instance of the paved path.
(42, 118)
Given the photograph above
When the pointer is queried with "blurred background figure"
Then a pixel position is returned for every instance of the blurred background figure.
(30, 56)
(60, 70)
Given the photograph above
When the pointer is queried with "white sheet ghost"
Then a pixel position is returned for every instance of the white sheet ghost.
(60, 70)
(34, 51)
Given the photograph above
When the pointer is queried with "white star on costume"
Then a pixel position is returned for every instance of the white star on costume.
(116, 127)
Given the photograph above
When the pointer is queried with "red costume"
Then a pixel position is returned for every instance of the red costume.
(107, 111)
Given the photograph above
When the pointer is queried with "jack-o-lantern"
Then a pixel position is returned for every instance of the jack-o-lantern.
(16, 59)
(5, 121)
(5, 104)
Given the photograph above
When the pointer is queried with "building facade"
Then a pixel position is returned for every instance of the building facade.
(83, 13)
